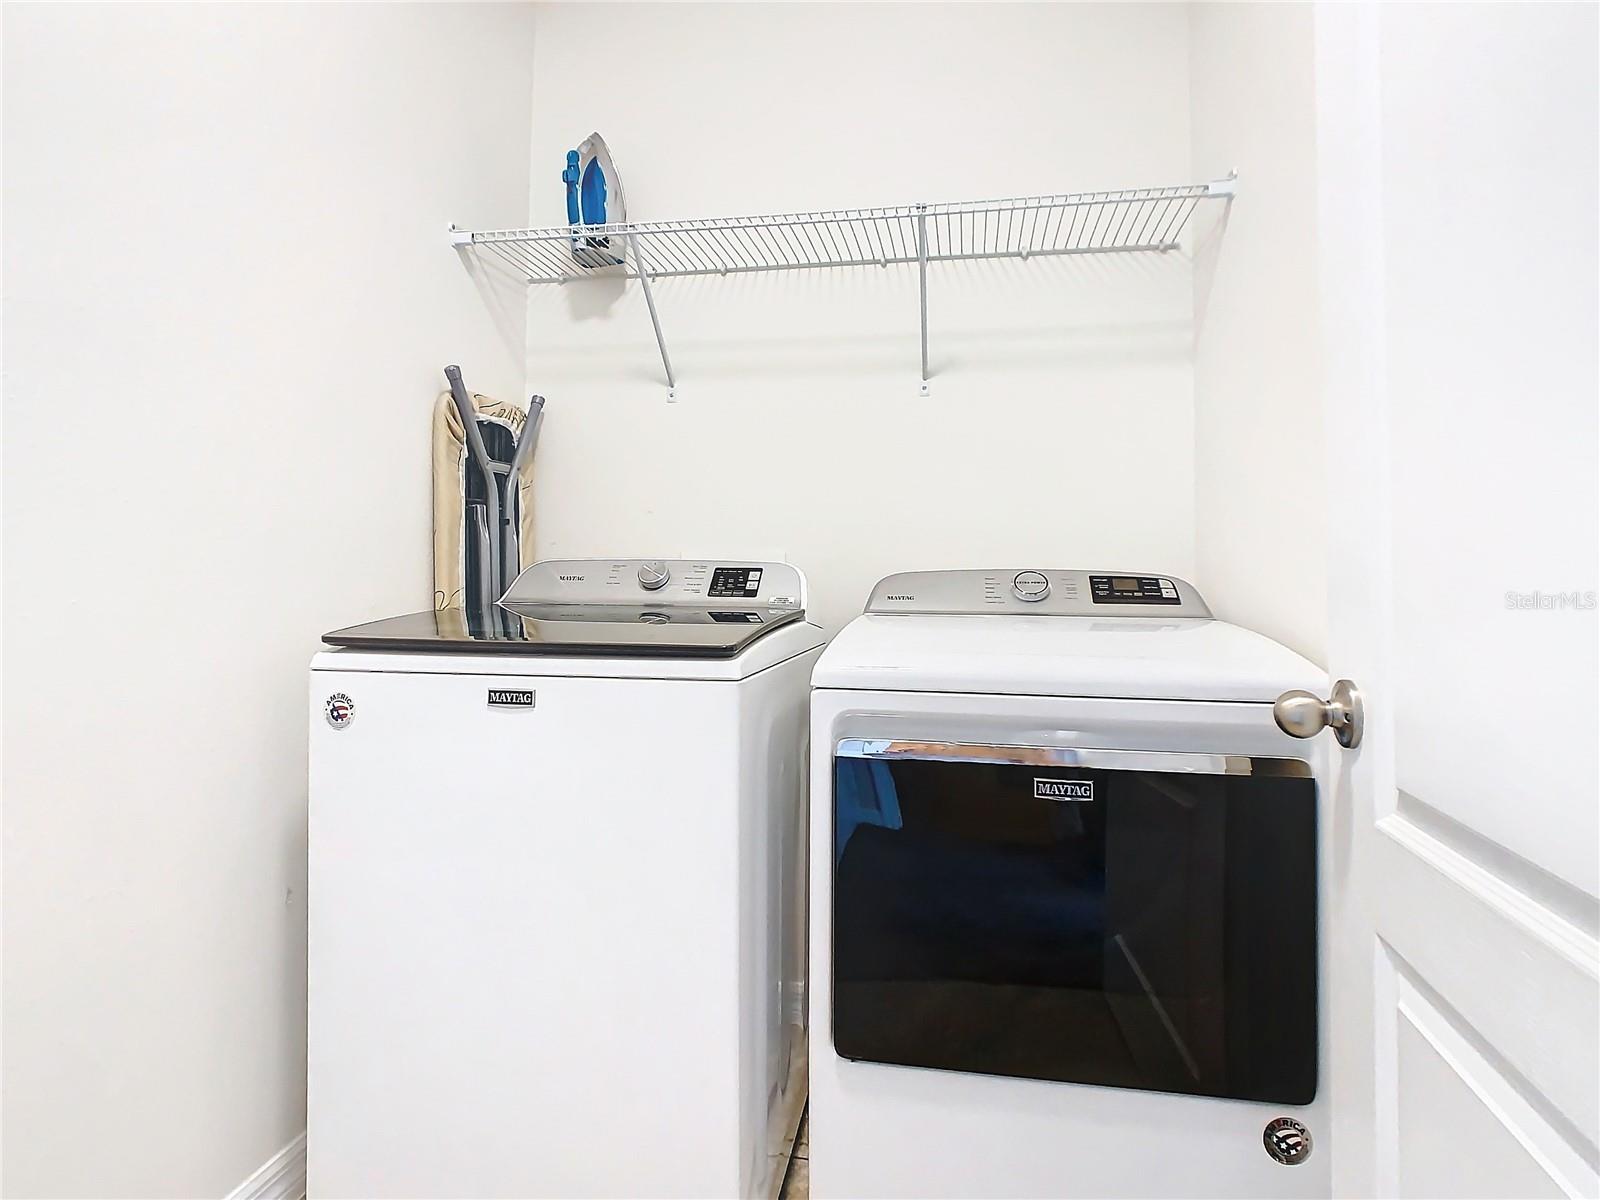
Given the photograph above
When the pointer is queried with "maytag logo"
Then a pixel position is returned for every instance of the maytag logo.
(501, 698)
(1063, 789)
(570, 578)
(899, 597)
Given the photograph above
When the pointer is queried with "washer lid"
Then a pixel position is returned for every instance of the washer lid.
(1181, 658)
(795, 638)
(612, 607)
(611, 630)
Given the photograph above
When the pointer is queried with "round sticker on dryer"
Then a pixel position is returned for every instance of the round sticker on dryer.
(340, 709)
(1287, 1141)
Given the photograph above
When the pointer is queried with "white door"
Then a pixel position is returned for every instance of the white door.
(1457, 216)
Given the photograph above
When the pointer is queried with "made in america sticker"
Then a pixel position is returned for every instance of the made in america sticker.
(340, 708)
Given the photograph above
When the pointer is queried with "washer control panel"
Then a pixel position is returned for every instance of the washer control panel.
(658, 582)
(1038, 592)
(1132, 589)
(735, 583)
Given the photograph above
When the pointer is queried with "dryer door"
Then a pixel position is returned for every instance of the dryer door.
(1130, 919)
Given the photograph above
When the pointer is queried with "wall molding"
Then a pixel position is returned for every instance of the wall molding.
(281, 1177)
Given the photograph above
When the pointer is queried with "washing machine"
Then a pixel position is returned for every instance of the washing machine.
(1064, 897)
(557, 883)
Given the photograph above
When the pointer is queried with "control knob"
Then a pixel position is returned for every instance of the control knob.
(1030, 586)
(653, 576)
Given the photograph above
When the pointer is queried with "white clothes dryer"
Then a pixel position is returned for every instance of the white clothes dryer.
(1064, 897)
(557, 918)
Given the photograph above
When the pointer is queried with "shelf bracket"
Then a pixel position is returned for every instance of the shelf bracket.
(1227, 187)
(922, 286)
(642, 268)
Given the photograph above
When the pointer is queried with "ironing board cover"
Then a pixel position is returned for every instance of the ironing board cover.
(449, 468)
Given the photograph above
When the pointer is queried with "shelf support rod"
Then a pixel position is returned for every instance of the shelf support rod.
(922, 285)
(643, 269)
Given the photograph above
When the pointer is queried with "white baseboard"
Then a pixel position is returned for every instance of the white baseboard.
(281, 1177)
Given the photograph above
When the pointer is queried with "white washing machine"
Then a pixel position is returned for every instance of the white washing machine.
(1064, 897)
(557, 916)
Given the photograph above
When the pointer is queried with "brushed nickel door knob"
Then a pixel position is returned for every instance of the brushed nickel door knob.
(1303, 714)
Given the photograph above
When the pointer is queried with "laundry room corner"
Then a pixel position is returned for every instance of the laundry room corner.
(1261, 502)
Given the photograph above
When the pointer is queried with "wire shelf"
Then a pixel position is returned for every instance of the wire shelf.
(1132, 220)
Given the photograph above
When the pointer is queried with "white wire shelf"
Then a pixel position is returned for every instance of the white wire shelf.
(1134, 220)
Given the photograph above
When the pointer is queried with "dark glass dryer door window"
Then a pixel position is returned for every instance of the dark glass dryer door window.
(1119, 918)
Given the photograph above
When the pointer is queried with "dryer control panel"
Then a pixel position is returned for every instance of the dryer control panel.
(1033, 591)
(659, 583)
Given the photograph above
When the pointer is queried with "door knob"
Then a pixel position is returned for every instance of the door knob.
(1302, 715)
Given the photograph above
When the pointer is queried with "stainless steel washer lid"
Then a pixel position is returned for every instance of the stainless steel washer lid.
(610, 607)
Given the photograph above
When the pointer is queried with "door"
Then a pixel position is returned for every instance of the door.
(1087, 916)
(1457, 225)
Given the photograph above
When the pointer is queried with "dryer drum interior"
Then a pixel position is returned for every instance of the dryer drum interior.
(1013, 911)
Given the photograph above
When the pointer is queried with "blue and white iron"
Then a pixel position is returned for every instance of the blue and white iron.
(594, 197)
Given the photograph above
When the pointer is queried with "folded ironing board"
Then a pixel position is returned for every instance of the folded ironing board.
(482, 498)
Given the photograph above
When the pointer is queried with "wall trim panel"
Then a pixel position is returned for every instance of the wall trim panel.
(1536, 962)
(281, 1177)
(1504, 1096)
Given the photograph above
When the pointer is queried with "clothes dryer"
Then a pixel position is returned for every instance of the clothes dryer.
(1064, 897)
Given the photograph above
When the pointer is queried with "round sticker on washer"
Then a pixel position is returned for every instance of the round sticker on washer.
(340, 709)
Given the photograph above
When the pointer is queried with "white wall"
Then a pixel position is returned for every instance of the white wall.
(228, 297)
(1059, 431)
(1261, 503)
